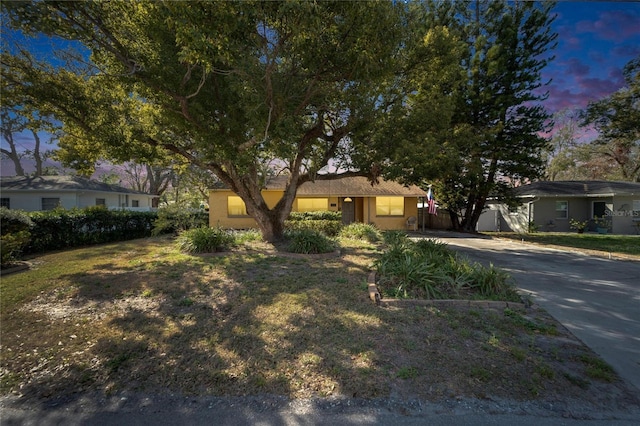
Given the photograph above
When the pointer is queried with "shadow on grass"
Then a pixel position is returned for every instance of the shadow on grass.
(234, 324)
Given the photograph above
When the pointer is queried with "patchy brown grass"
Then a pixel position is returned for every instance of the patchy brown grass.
(141, 316)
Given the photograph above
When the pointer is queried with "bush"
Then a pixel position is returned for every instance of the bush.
(15, 233)
(361, 231)
(205, 240)
(315, 215)
(309, 241)
(395, 238)
(330, 228)
(60, 228)
(176, 218)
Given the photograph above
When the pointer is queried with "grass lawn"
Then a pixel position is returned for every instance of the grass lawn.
(623, 244)
(142, 316)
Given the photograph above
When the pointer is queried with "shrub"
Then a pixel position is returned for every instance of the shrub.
(395, 238)
(15, 233)
(315, 215)
(330, 228)
(205, 240)
(309, 241)
(361, 231)
(60, 228)
(176, 218)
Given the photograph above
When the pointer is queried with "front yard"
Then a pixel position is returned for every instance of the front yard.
(141, 316)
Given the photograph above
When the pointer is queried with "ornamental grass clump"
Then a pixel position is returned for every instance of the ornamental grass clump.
(361, 231)
(428, 269)
(205, 240)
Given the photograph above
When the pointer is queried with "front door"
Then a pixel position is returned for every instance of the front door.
(348, 211)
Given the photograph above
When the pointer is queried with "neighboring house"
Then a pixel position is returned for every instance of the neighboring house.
(388, 205)
(605, 206)
(48, 192)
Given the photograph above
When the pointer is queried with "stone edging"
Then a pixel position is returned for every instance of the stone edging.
(375, 297)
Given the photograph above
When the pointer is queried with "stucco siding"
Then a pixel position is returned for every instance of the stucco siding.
(365, 210)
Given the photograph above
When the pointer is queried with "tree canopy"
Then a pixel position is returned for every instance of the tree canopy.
(617, 119)
(474, 128)
(419, 91)
(229, 86)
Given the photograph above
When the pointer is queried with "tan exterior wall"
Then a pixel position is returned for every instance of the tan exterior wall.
(365, 211)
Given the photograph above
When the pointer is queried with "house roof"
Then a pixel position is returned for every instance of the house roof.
(59, 184)
(578, 188)
(354, 186)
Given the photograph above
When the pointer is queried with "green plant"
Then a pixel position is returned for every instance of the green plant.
(578, 225)
(315, 215)
(407, 373)
(15, 233)
(602, 222)
(330, 228)
(309, 241)
(177, 218)
(597, 369)
(204, 240)
(361, 231)
(532, 227)
(395, 238)
(246, 236)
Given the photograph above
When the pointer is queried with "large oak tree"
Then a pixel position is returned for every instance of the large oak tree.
(229, 86)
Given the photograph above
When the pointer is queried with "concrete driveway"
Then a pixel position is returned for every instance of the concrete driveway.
(598, 299)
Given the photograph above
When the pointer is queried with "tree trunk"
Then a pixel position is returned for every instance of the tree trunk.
(13, 154)
(36, 153)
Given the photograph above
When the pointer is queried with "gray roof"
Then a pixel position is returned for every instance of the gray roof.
(578, 188)
(357, 186)
(59, 184)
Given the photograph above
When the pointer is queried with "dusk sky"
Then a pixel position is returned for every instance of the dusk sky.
(595, 41)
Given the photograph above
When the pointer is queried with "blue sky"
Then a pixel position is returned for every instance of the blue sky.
(595, 40)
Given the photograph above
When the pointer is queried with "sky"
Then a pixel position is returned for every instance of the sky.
(596, 39)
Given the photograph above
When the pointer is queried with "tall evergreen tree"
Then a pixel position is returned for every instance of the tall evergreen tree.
(484, 134)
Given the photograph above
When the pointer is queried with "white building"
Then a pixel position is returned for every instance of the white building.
(48, 192)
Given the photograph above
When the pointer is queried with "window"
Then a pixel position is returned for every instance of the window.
(50, 203)
(101, 202)
(562, 209)
(5, 202)
(389, 206)
(235, 206)
(313, 204)
(135, 203)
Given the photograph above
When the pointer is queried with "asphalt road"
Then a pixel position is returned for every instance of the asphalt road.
(597, 298)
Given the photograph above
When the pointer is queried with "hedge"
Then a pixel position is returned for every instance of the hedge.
(58, 229)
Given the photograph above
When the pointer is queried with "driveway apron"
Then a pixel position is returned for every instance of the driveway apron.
(598, 299)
